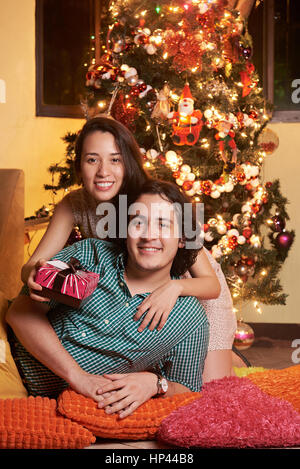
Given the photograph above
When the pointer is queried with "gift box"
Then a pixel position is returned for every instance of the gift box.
(68, 283)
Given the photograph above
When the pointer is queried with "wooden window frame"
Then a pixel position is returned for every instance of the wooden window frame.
(268, 64)
(48, 110)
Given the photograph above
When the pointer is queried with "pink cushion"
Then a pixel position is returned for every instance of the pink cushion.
(232, 412)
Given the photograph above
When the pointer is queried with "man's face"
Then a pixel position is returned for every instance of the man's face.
(153, 234)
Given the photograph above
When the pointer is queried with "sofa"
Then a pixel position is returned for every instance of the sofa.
(11, 230)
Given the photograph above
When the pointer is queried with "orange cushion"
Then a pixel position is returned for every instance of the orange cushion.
(34, 423)
(284, 384)
(143, 424)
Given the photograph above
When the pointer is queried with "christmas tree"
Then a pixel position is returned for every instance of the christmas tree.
(179, 75)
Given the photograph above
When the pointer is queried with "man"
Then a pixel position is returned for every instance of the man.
(98, 350)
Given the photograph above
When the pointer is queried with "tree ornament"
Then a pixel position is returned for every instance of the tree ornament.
(247, 232)
(162, 107)
(187, 185)
(246, 79)
(187, 122)
(268, 141)
(241, 269)
(255, 241)
(206, 187)
(143, 37)
(152, 154)
(246, 52)
(244, 336)
(284, 240)
(225, 137)
(278, 224)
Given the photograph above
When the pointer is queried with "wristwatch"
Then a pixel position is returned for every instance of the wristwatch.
(162, 385)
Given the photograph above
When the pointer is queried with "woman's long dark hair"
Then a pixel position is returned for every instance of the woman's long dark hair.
(168, 191)
(135, 175)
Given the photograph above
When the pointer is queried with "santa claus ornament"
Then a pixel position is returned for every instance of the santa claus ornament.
(187, 122)
(225, 137)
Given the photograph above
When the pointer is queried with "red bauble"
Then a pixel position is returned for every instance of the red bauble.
(255, 207)
(268, 184)
(205, 227)
(240, 175)
(247, 233)
(176, 174)
(187, 185)
(253, 115)
(250, 261)
(206, 187)
(134, 91)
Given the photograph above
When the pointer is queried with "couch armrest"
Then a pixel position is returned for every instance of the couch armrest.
(11, 230)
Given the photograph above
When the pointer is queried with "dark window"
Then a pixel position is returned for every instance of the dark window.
(286, 59)
(65, 46)
(275, 29)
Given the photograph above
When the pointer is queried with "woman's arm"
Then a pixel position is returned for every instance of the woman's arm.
(204, 285)
(53, 241)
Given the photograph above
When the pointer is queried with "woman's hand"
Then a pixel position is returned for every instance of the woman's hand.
(128, 392)
(32, 285)
(159, 305)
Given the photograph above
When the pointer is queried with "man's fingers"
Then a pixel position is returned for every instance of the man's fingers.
(117, 396)
(129, 410)
(115, 376)
(113, 386)
(119, 406)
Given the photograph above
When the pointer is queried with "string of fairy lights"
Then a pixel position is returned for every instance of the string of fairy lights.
(247, 124)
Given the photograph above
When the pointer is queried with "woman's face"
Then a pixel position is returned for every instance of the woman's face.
(102, 166)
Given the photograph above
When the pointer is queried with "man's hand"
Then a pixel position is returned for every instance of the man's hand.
(159, 305)
(129, 391)
(89, 385)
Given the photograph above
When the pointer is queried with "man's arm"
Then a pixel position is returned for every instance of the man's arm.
(29, 321)
(129, 391)
(182, 367)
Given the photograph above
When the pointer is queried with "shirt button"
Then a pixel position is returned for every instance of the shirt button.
(83, 334)
(127, 304)
(106, 321)
(121, 284)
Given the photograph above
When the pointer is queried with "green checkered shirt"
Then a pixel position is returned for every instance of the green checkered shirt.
(102, 336)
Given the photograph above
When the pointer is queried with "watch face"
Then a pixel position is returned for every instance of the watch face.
(164, 385)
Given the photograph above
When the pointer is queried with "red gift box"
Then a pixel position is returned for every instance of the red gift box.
(66, 283)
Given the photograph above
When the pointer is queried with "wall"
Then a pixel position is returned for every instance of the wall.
(284, 164)
(26, 141)
(33, 143)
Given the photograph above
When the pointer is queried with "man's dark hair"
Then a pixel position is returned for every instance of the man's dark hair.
(168, 191)
(135, 174)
